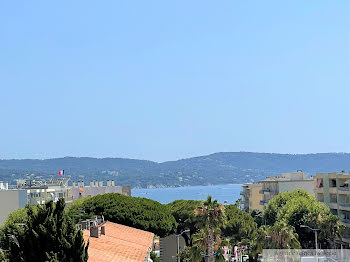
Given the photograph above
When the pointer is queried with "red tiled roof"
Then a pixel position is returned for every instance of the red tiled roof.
(120, 244)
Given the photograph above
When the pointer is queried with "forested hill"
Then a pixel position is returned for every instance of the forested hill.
(218, 168)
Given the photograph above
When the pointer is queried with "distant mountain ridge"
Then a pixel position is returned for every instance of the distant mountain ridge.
(217, 168)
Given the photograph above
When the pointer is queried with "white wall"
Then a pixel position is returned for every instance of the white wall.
(96, 190)
(10, 200)
(308, 185)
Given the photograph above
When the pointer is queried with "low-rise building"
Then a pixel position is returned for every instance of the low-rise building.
(79, 189)
(333, 189)
(111, 242)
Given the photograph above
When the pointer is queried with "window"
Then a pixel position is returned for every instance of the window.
(333, 198)
(332, 183)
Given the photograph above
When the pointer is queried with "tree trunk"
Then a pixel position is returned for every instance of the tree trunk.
(210, 244)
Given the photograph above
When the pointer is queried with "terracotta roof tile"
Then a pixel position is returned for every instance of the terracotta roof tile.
(120, 244)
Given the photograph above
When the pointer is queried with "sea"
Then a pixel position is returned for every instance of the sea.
(225, 194)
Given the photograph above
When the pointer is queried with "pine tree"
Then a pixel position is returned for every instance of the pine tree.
(46, 234)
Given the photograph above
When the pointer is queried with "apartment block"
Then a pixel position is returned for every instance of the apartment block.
(333, 189)
(79, 189)
(10, 200)
(265, 190)
(32, 192)
(252, 196)
(272, 186)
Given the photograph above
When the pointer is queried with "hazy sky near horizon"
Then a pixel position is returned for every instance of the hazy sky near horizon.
(163, 80)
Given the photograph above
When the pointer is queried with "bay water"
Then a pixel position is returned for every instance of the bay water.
(225, 194)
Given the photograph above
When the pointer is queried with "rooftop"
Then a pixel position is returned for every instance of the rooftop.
(120, 243)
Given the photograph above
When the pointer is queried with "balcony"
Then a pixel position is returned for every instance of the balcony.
(344, 189)
(263, 202)
(318, 190)
(242, 193)
(333, 190)
(333, 205)
(344, 206)
(267, 191)
(346, 221)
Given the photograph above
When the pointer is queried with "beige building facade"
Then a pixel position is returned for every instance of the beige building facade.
(252, 196)
(265, 190)
(333, 189)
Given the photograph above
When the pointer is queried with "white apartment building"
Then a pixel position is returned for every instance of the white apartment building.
(79, 189)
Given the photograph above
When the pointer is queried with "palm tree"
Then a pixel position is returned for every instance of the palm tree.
(279, 236)
(211, 216)
(283, 236)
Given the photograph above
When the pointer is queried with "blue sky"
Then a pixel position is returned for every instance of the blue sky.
(163, 80)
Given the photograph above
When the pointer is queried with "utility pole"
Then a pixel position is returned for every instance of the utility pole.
(314, 230)
(178, 243)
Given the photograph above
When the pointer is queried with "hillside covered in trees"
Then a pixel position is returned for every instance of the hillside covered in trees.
(218, 168)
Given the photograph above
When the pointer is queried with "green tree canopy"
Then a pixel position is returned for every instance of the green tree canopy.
(42, 233)
(142, 213)
(183, 212)
(239, 225)
(298, 208)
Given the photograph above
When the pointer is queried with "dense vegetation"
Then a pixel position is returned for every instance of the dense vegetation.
(183, 212)
(136, 212)
(219, 168)
(278, 227)
(299, 208)
(42, 233)
(205, 225)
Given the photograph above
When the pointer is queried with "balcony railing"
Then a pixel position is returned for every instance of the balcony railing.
(346, 220)
(344, 204)
(344, 188)
(267, 191)
(263, 202)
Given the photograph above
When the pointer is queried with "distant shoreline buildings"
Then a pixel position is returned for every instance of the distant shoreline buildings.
(37, 192)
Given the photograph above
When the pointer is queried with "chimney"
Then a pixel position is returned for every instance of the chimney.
(100, 183)
(92, 183)
(108, 183)
(73, 184)
(112, 183)
(94, 231)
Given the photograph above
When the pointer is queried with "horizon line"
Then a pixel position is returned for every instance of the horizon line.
(125, 158)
